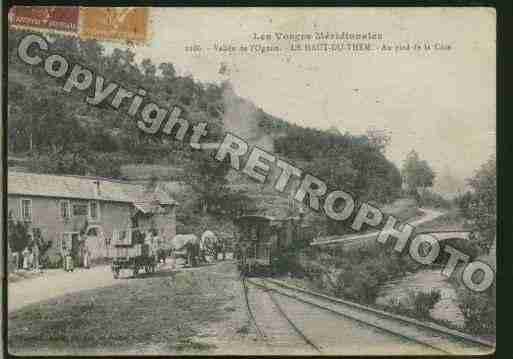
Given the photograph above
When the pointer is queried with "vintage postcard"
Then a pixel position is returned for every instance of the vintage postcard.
(251, 181)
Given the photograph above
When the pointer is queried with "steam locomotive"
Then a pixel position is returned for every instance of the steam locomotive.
(263, 241)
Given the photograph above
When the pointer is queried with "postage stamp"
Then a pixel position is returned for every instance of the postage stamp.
(114, 23)
(46, 18)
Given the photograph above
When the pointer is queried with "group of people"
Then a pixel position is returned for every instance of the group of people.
(198, 249)
(28, 259)
(84, 259)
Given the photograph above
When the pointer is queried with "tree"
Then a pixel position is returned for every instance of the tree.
(479, 206)
(149, 72)
(149, 69)
(168, 70)
(335, 169)
(18, 234)
(208, 178)
(417, 173)
(378, 139)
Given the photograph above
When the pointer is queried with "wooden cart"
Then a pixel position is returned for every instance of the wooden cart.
(135, 258)
(130, 252)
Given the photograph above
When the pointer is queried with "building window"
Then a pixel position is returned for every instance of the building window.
(65, 210)
(26, 209)
(80, 209)
(94, 210)
(92, 232)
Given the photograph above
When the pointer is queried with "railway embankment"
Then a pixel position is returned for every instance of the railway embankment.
(428, 335)
(375, 275)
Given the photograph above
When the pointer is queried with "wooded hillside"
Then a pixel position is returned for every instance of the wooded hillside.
(60, 133)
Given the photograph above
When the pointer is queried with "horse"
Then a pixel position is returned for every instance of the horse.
(162, 254)
(186, 246)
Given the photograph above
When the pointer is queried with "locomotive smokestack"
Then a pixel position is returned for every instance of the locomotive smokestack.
(97, 188)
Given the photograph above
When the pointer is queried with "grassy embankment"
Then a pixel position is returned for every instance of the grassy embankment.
(162, 313)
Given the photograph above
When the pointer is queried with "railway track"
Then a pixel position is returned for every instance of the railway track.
(433, 338)
(262, 333)
(251, 315)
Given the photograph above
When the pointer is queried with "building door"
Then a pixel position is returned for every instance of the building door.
(135, 221)
(95, 242)
(75, 248)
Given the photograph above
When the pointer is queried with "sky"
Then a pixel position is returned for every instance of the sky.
(440, 103)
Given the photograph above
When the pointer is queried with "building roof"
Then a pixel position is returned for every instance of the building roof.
(80, 187)
(256, 217)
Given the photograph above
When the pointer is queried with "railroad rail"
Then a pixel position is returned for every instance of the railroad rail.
(438, 338)
(261, 333)
(294, 326)
(252, 318)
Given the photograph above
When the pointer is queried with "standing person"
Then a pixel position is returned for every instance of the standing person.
(26, 254)
(71, 261)
(35, 252)
(16, 260)
(68, 261)
(201, 251)
(155, 245)
(87, 255)
(190, 248)
(222, 242)
(31, 259)
(65, 259)
(172, 259)
(197, 253)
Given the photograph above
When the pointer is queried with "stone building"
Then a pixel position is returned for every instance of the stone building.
(73, 211)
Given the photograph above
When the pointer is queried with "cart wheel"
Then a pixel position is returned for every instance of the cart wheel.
(136, 271)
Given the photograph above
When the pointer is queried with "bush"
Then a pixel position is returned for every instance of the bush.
(312, 271)
(358, 284)
(18, 235)
(50, 262)
(361, 270)
(423, 302)
(479, 310)
(470, 248)
(432, 199)
(100, 261)
(289, 264)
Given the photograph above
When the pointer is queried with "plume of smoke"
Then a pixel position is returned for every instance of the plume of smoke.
(241, 118)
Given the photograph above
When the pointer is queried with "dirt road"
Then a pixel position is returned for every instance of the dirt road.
(429, 215)
(45, 287)
(56, 283)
